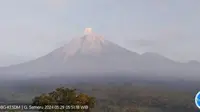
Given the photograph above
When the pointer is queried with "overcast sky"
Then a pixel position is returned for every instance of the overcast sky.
(33, 28)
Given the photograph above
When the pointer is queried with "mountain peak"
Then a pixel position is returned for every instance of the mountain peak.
(88, 31)
(90, 43)
(91, 36)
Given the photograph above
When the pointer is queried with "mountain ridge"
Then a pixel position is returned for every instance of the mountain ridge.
(92, 53)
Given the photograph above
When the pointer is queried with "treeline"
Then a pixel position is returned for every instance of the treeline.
(116, 97)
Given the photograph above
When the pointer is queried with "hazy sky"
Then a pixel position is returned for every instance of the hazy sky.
(35, 27)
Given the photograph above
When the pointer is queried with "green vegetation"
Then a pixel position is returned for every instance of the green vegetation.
(122, 98)
(66, 100)
(108, 96)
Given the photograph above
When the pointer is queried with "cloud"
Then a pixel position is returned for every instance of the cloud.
(175, 42)
(155, 39)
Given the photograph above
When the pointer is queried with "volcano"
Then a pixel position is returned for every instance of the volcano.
(91, 53)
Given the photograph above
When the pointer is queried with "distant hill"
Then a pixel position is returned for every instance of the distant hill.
(10, 59)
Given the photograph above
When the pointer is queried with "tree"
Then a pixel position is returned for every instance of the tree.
(64, 99)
